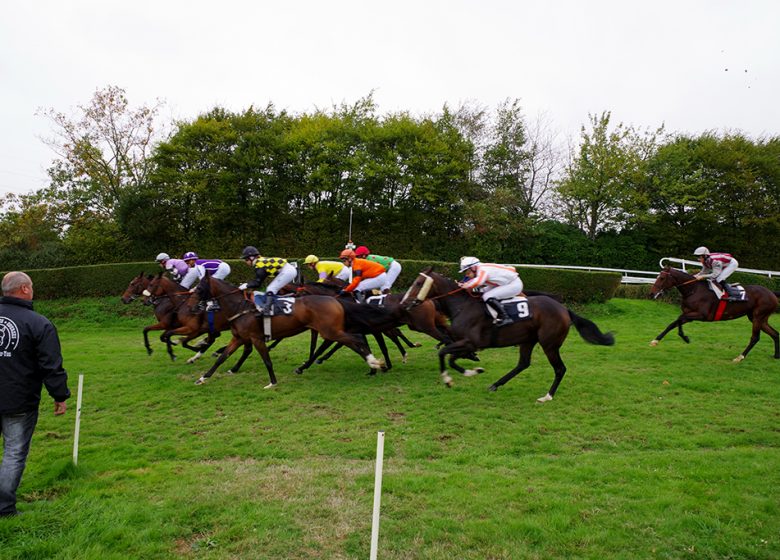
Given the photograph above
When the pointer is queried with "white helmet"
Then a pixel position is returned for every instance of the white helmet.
(468, 262)
(162, 257)
(702, 251)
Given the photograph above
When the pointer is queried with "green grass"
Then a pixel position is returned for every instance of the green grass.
(666, 452)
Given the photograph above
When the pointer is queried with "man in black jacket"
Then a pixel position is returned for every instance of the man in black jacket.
(30, 357)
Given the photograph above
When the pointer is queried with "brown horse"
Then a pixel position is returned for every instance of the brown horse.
(699, 303)
(189, 324)
(320, 314)
(163, 308)
(473, 329)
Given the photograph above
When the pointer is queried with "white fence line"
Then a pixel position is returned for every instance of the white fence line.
(642, 276)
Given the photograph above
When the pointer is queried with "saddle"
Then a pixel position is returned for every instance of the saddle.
(278, 305)
(733, 292)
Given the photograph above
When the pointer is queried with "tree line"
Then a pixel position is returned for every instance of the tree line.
(468, 180)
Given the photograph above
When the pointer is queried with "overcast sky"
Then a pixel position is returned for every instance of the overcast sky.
(693, 65)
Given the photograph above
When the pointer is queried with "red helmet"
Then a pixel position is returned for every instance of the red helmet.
(361, 251)
(347, 254)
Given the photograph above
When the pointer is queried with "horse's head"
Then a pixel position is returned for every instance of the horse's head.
(669, 277)
(156, 287)
(420, 289)
(135, 288)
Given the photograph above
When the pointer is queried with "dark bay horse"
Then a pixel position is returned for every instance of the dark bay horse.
(163, 308)
(699, 303)
(321, 314)
(474, 330)
(189, 324)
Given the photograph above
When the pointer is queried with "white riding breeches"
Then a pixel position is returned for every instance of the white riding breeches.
(505, 291)
(222, 271)
(728, 270)
(392, 274)
(285, 276)
(372, 283)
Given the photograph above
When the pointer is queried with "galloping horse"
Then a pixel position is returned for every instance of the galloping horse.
(190, 325)
(473, 329)
(322, 314)
(699, 303)
(163, 308)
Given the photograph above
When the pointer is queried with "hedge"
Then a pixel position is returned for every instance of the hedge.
(112, 279)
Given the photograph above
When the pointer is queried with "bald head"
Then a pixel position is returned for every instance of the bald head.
(17, 284)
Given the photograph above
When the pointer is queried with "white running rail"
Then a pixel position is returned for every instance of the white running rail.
(643, 276)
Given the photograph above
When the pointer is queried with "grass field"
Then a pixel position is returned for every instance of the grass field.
(666, 452)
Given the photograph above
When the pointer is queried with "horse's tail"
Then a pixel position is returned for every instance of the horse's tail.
(589, 331)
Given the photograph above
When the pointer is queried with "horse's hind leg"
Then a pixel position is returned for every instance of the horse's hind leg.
(523, 362)
(259, 344)
(554, 356)
(244, 355)
(229, 349)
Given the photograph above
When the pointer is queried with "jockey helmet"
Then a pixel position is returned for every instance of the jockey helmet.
(347, 254)
(189, 255)
(468, 262)
(311, 259)
(162, 257)
(249, 252)
(362, 251)
(702, 252)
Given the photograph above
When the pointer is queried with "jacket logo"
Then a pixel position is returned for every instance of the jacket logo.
(9, 336)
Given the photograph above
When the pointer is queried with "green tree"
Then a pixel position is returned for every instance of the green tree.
(599, 190)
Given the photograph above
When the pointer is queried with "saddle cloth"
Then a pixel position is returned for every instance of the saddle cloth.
(738, 288)
(280, 305)
(516, 308)
(379, 300)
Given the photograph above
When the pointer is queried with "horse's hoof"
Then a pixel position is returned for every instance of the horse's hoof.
(200, 381)
(298, 370)
(493, 388)
(403, 360)
(686, 339)
(230, 372)
(739, 359)
(653, 343)
(417, 345)
(371, 372)
(319, 362)
(148, 351)
(270, 386)
(473, 372)
(544, 399)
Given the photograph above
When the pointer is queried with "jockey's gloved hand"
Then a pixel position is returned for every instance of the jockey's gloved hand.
(242, 286)
(341, 293)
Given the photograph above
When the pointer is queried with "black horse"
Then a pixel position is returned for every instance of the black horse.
(699, 303)
(473, 329)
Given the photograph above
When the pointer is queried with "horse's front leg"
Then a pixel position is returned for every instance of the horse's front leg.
(229, 349)
(245, 354)
(462, 346)
(678, 323)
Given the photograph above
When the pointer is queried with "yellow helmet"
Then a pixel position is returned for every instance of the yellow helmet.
(311, 259)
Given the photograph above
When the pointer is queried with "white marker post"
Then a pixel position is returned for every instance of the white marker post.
(78, 421)
(380, 451)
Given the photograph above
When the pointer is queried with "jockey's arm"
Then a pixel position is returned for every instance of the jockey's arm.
(356, 278)
(260, 275)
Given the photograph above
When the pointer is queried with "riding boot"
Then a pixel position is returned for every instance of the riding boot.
(269, 303)
(731, 291)
(360, 296)
(501, 318)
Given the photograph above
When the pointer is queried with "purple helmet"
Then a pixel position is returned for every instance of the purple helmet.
(189, 255)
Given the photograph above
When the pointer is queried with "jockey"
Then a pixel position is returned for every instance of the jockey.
(391, 266)
(277, 268)
(366, 275)
(200, 268)
(327, 268)
(716, 267)
(176, 267)
(499, 281)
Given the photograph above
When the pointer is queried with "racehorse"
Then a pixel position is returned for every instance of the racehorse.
(473, 329)
(699, 303)
(163, 308)
(322, 314)
(190, 324)
(424, 318)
